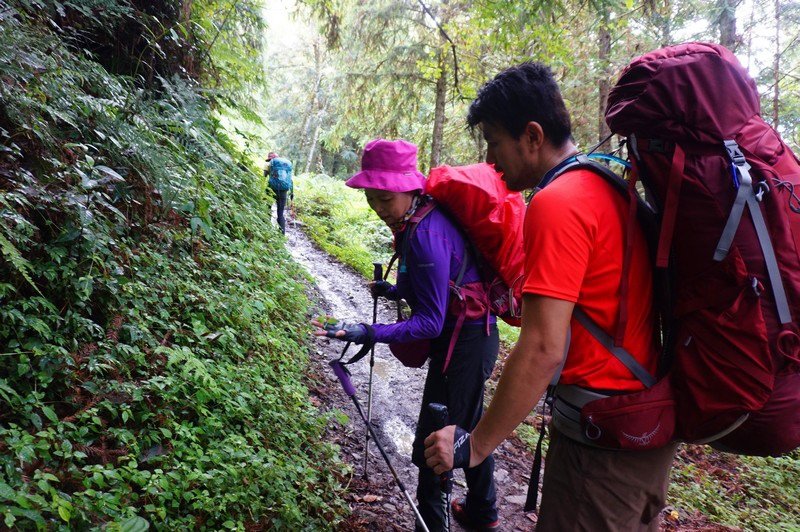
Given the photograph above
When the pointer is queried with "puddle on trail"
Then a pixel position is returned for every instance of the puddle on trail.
(400, 434)
(381, 369)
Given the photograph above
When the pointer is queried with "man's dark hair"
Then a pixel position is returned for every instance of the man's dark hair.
(522, 94)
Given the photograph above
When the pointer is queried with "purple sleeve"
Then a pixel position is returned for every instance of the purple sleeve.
(429, 275)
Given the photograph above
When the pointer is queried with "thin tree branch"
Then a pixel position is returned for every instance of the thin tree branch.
(452, 46)
(219, 30)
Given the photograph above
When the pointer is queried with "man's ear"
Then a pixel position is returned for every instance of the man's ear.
(533, 135)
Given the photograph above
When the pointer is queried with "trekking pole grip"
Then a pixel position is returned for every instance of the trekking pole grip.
(441, 417)
(377, 271)
(344, 378)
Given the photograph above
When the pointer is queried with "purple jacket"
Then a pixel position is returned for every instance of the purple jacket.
(435, 254)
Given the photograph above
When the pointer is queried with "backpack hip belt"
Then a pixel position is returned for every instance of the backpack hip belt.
(568, 401)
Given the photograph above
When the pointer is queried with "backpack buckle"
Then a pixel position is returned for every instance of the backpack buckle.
(734, 153)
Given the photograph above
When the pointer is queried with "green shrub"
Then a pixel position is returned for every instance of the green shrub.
(340, 222)
(735, 490)
(152, 331)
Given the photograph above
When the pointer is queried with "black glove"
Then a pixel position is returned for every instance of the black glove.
(461, 448)
(358, 333)
(384, 289)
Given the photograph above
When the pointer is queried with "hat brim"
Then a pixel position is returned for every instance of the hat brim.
(388, 180)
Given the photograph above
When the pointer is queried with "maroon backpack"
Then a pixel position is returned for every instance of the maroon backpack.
(727, 192)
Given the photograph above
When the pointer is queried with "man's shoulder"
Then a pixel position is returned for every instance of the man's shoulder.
(577, 188)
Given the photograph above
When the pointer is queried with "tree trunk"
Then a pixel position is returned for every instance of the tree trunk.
(750, 30)
(312, 151)
(665, 26)
(776, 92)
(726, 23)
(186, 22)
(603, 85)
(439, 112)
(312, 101)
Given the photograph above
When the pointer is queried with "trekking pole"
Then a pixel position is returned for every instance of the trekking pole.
(377, 275)
(441, 418)
(344, 378)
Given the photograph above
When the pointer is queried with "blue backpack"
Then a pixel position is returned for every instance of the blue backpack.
(280, 174)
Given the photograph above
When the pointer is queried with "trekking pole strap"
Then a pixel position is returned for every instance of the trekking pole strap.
(532, 499)
(365, 347)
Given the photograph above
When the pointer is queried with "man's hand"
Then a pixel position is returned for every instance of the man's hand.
(358, 333)
(448, 449)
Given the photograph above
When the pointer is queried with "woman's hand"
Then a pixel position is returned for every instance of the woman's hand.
(382, 289)
(358, 333)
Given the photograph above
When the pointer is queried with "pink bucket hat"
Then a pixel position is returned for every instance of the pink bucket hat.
(389, 165)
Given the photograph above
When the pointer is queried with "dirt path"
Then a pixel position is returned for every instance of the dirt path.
(376, 502)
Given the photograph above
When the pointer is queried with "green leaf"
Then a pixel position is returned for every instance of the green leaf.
(64, 513)
(111, 175)
(13, 256)
(6, 492)
(50, 414)
(134, 524)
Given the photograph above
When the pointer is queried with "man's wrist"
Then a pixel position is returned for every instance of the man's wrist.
(476, 457)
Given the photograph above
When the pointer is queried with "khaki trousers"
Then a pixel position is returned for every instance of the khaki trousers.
(586, 488)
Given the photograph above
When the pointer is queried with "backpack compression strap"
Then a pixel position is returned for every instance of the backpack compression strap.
(750, 197)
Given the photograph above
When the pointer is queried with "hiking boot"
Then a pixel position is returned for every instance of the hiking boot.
(458, 508)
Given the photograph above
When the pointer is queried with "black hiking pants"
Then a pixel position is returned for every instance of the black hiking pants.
(461, 389)
(280, 203)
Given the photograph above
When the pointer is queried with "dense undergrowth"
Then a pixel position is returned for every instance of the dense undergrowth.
(151, 328)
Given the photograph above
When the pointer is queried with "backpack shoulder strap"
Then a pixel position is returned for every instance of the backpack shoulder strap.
(647, 218)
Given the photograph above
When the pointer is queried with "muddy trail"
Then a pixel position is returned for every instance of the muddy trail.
(376, 502)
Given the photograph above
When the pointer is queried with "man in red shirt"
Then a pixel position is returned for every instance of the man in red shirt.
(574, 233)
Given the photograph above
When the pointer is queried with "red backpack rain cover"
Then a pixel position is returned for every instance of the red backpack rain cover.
(491, 216)
(735, 334)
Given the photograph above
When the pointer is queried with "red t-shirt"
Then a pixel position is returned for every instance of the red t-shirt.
(574, 244)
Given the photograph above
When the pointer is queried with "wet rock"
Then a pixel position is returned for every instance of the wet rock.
(517, 499)
(500, 475)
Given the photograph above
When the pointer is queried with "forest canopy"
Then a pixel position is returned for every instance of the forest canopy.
(409, 68)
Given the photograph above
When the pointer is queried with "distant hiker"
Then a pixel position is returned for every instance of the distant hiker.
(435, 254)
(279, 172)
(574, 235)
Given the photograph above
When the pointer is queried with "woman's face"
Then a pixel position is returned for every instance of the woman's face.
(391, 207)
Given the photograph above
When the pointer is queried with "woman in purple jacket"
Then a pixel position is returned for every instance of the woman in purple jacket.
(393, 187)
